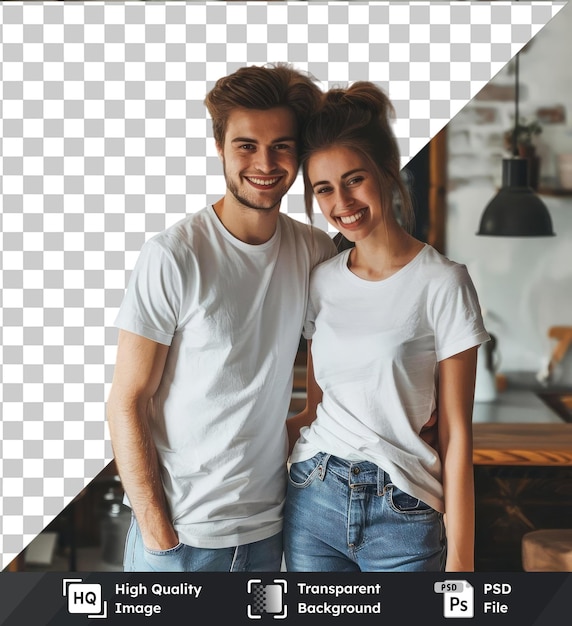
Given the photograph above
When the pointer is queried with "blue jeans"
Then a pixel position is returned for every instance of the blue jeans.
(260, 556)
(349, 517)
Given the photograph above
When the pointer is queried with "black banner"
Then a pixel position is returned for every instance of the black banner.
(59, 599)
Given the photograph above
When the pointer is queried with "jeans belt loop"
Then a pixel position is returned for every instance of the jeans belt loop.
(382, 481)
(323, 466)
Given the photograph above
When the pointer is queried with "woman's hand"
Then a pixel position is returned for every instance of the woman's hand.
(430, 431)
(308, 414)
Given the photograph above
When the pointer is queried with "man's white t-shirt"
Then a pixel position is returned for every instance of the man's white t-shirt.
(232, 314)
(376, 346)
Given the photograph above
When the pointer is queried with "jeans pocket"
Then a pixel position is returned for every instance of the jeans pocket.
(302, 474)
(403, 502)
(171, 560)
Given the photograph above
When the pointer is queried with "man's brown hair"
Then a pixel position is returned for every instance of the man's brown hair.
(262, 88)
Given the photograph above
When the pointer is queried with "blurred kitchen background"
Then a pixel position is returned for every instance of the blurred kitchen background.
(523, 455)
(525, 285)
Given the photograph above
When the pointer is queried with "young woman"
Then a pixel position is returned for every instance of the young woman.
(391, 326)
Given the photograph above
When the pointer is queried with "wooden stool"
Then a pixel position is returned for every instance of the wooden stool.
(547, 550)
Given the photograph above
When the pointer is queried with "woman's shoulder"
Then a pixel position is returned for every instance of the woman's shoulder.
(438, 265)
(330, 266)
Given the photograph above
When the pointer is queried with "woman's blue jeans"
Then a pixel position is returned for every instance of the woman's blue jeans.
(260, 556)
(349, 517)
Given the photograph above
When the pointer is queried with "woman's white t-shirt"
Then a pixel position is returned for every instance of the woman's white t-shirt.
(376, 346)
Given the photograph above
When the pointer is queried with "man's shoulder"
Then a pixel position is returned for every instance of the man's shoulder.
(293, 224)
(308, 232)
(182, 231)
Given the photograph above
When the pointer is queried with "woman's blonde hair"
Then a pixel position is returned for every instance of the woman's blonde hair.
(358, 117)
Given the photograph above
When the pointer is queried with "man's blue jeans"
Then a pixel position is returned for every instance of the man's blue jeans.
(343, 516)
(260, 556)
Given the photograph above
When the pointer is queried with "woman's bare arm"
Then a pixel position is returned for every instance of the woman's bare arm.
(456, 396)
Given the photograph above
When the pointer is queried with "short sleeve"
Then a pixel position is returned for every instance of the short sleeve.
(151, 304)
(457, 315)
(325, 247)
(310, 320)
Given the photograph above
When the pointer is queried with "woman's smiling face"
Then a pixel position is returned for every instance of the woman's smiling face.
(347, 191)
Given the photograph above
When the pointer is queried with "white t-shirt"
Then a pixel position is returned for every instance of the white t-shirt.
(232, 314)
(375, 348)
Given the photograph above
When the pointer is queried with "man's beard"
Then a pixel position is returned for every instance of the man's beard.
(233, 189)
(247, 203)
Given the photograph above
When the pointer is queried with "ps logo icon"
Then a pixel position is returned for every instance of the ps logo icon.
(84, 598)
(458, 598)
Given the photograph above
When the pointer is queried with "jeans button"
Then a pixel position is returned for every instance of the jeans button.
(355, 470)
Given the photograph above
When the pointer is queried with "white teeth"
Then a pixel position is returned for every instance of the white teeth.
(263, 181)
(350, 219)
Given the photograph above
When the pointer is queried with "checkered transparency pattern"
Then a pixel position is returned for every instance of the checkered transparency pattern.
(105, 141)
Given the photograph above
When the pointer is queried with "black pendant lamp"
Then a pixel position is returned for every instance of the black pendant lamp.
(516, 211)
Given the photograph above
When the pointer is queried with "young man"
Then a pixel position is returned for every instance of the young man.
(209, 329)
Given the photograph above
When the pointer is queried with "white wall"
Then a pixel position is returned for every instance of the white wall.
(525, 285)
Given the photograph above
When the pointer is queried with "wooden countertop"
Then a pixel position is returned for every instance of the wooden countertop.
(522, 444)
(520, 429)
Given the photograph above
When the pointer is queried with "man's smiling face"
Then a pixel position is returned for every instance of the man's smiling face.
(259, 156)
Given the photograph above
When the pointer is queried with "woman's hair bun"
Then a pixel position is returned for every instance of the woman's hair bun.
(360, 95)
(358, 117)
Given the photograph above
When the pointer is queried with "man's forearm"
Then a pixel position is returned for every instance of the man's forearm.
(138, 467)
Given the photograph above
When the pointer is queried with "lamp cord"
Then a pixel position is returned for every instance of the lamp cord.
(516, 99)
